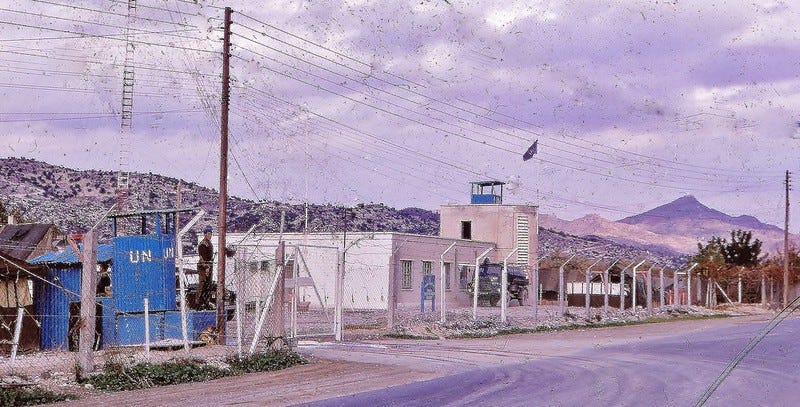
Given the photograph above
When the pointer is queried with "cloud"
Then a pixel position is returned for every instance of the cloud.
(633, 102)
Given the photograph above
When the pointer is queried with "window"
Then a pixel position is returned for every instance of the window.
(427, 268)
(466, 230)
(465, 275)
(447, 276)
(405, 270)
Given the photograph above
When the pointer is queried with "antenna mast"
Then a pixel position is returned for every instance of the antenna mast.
(126, 122)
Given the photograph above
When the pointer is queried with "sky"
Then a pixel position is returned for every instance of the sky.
(633, 103)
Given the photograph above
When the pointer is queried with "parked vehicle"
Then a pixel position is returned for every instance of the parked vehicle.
(489, 282)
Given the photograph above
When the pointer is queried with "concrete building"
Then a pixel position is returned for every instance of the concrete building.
(486, 218)
(383, 270)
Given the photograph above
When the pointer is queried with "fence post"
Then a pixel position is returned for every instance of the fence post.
(17, 331)
(562, 306)
(476, 286)
(146, 328)
(88, 291)
(607, 285)
(442, 288)
(661, 287)
(675, 288)
(337, 299)
(649, 287)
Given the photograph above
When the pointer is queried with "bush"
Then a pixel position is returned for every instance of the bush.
(30, 397)
(119, 377)
(265, 362)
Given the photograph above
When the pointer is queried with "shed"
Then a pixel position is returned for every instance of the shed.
(28, 240)
(57, 294)
(15, 292)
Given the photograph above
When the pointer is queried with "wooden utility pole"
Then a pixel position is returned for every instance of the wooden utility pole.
(786, 247)
(88, 285)
(223, 178)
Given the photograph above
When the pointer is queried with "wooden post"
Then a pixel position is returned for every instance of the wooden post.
(223, 178)
(88, 291)
(661, 287)
(763, 289)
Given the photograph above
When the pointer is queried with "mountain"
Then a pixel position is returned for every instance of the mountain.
(75, 200)
(676, 226)
(689, 208)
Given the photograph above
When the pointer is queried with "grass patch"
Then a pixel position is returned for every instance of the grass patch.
(119, 377)
(30, 396)
(538, 329)
(265, 362)
(394, 335)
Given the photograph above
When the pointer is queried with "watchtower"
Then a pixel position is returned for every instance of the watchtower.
(486, 192)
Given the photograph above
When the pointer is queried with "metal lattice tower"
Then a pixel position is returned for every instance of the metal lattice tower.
(126, 122)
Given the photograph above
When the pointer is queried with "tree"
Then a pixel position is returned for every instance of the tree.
(724, 260)
(742, 250)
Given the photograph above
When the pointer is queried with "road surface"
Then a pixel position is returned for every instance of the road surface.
(666, 371)
(661, 364)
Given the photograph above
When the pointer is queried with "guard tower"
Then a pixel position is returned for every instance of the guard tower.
(486, 192)
(486, 218)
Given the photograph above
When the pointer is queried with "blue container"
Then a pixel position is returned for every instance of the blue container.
(144, 266)
(52, 303)
(196, 322)
(130, 328)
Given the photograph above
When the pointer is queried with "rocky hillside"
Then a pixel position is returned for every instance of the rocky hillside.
(76, 200)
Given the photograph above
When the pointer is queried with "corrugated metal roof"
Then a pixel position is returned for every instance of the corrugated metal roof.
(20, 240)
(105, 253)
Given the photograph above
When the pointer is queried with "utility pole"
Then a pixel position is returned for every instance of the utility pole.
(786, 245)
(223, 177)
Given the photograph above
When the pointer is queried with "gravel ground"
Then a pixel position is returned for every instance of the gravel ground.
(459, 323)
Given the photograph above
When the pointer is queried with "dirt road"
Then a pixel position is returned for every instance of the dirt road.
(348, 368)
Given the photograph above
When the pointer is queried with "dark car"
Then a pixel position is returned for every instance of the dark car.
(489, 280)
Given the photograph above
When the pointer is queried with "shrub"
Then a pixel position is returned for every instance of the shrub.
(119, 377)
(30, 396)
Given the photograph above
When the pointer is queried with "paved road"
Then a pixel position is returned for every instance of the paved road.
(668, 370)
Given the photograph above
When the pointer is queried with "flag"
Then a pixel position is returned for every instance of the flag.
(533, 149)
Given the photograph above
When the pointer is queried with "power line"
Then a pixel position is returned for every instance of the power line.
(111, 36)
(369, 75)
(106, 12)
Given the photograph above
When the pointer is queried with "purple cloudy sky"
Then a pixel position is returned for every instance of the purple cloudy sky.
(634, 103)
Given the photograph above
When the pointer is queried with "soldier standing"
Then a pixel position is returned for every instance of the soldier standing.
(204, 267)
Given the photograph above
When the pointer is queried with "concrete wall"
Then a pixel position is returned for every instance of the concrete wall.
(417, 249)
(372, 266)
(493, 223)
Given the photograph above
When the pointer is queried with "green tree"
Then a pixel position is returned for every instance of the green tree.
(742, 250)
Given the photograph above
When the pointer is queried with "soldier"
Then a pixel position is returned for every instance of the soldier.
(204, 267)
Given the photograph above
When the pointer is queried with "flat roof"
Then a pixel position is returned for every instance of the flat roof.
(487, 183)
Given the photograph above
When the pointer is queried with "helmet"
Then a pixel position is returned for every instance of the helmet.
(207, 229)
